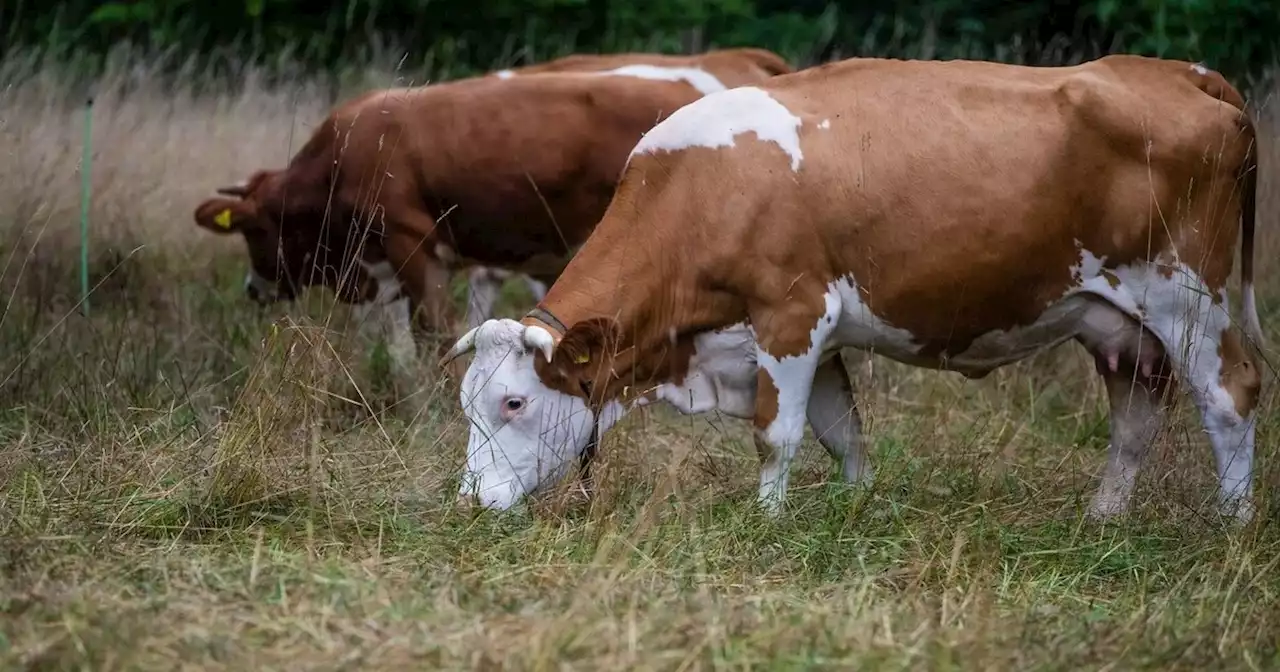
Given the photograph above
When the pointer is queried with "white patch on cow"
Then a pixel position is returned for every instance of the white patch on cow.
(793, 377)
(824, 124)
(721, 375)
(260, 284)
(703, 81)
(1088, 267)
(716, 120)
(388, 316)
(846, 321)
(504, 74)
(1199, 69)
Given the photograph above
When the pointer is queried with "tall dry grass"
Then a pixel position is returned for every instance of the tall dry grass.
(188, 481)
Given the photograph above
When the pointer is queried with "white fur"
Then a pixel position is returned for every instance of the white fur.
(699, 79)
(716, 120)
(264, 286)
(387, 316)
(509, 459)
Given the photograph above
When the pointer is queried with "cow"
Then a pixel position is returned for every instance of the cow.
(506, 172)
(957, 216)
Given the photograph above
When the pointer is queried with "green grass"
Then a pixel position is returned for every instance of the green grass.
(182, 485)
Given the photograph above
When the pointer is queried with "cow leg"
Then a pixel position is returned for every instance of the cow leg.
(536, 287)
(483, 286)
(833, 415)
(784, 385)
(1135, 399)
(390, 321)
(387, 316)
(426, 281)
(1221, 377)
(1228, 403)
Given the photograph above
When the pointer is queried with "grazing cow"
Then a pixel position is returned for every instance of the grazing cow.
(515, 171)
(955, 215)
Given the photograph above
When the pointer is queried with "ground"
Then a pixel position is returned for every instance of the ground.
(189, 481)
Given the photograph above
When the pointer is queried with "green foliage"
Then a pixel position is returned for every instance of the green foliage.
(462, 36)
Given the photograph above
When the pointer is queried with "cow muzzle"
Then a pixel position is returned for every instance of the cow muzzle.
(260, 291)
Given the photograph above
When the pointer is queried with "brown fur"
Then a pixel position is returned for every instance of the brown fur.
(948, 240)
(511, 173)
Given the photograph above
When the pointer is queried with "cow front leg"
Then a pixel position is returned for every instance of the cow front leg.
(833, 415)
(386, 316)
(789, 350)
(426, 281)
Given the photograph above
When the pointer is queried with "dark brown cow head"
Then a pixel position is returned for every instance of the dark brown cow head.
(292, 242)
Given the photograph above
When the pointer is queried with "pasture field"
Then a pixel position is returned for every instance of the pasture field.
(187, 481)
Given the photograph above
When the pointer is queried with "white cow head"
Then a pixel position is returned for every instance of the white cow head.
(523, 434)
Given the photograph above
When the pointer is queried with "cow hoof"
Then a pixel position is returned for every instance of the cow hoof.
(1242, 510)
(1104, 509)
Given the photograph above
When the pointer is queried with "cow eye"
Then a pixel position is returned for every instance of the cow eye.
(514, 404)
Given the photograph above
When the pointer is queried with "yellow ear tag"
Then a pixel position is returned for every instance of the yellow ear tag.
(223, 218)
(582, 358)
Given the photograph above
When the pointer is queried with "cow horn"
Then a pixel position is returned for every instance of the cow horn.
(464, 345)
(539, 339)
(238, 190)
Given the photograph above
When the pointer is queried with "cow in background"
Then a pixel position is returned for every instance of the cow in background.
(399, 187)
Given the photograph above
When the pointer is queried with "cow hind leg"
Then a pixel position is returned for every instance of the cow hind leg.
(784, 383)
(833, 415)
(1223, 380)
(1133, 369)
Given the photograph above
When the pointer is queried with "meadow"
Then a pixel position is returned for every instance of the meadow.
(189, 481)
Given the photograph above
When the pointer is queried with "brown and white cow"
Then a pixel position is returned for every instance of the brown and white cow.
(954, 215)
(497, 172)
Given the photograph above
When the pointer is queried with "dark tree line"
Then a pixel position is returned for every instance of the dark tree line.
(456, 37)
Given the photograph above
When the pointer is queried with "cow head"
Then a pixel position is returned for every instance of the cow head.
(532, 405)
(289, 248)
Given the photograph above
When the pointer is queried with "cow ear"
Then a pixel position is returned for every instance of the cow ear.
(223, 215)
(586, 344)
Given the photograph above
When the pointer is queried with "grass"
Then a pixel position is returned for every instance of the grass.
(187, 481)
